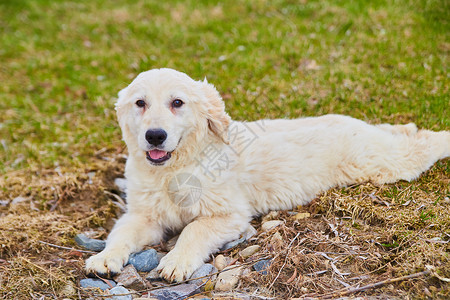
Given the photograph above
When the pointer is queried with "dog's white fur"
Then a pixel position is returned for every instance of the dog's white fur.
(265, 165)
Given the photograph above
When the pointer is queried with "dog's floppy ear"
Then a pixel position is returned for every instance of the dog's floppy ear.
(218, 119)
(119, 106)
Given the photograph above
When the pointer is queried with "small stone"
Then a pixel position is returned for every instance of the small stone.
(121, 184)
(130, 278)
(144, 261)
(276, 239)
(19, 200)
(153, 275)
(181, 291)
(262, 266)
(232, 244)
(220, 262)
(171, 243)
(301, 216)
(69, 289)
(249, 251)
(204, 270)
(249, 232)
(271, 224)
(119, 290)
(228, 279)
(90, 244)
(96, 283)
(270, 216)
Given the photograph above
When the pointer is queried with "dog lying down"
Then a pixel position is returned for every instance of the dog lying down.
(192, 169)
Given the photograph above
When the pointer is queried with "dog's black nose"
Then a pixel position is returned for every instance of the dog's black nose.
(155, 137)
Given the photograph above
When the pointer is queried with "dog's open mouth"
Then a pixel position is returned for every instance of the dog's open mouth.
(158, 156)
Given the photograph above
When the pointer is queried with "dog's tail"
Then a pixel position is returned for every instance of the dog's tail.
(415, 152)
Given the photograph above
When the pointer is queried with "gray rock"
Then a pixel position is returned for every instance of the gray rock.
(249, 232)
(181, 291)
(232, 244)
(130, 278)
(153, 276)
(121, 184)
(90, 244)
(245, 236)
(144, 261)
(204, 270)
(262, 266)
(96, 283)
(118, 290)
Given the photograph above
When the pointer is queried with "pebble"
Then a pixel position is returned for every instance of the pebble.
(153, 276)
(181, 291)
(249, 232)
(96, 283)
(262, 266)
(301, 216)
(130, 278)
(220, 262)
(232, 244)
(249, 251)
(271, 224)
(144, 261)
(121, 184)
(246, 235)
(69, 289)
(204, 270)
(171, 243)
(90, 244)
(276, 239)
(18, 200)
(117, 291)
(228, 279)
(270, 216)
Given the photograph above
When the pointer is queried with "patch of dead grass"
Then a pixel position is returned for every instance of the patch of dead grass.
(362, 235)
(55, 206)
(356, 236)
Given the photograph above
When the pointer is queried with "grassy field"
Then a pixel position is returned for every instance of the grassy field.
(63, 62)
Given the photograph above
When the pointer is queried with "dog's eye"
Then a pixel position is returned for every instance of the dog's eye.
(140, 103)
(177, 103)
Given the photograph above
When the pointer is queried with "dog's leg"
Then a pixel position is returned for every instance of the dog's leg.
(197, 241)
(130, 234)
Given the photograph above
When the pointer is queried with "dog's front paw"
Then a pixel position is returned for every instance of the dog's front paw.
(177, 266)
(105, 264)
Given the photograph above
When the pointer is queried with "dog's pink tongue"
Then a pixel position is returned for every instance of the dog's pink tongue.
(157, 154)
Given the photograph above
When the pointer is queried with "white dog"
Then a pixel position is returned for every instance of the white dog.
(192, 169)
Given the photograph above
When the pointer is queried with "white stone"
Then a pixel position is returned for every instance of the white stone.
(249, 251)
(228, 279)
(271, 224)
(220, 262)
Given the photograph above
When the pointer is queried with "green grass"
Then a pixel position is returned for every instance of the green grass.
(62, 64)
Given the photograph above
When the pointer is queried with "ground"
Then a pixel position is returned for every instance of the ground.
(64, 62)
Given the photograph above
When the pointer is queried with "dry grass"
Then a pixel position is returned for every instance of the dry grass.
(76, 202)
(355, 236)
(368, 233)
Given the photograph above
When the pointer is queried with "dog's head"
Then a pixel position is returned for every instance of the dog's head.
(165, 116)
